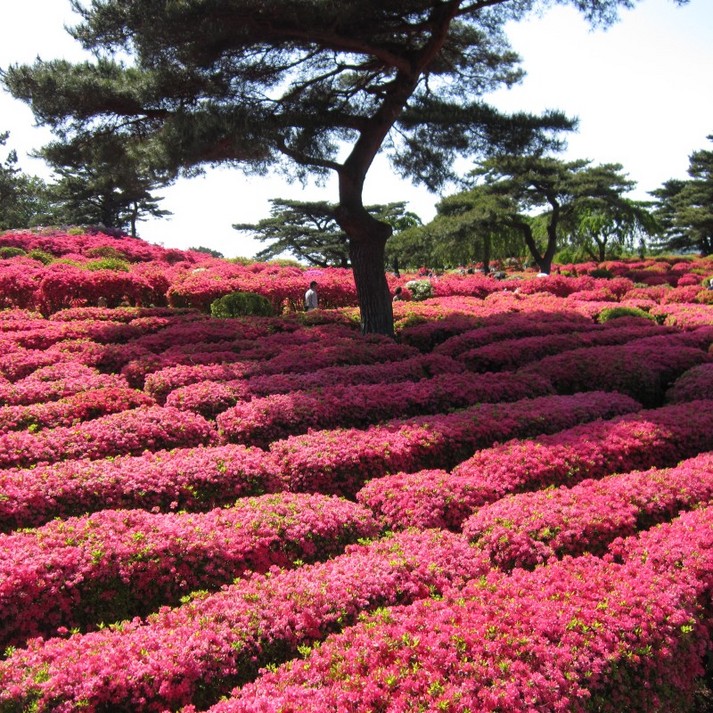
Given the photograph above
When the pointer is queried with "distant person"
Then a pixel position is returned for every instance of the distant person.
(311, 298)
(398, 294)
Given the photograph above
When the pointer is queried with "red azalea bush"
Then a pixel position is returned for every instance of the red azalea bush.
(307, 358)
(209, 398)
(128, 432)
(579, 635)
(199, 650)
(57, 381)
(341, 461)
(642, 370)
(626, 630)
(531, 528)
(81, 406)
(115, 564)
(510, 354)
(696, 383)
(261, 421)
(186, 478)
(435, 498)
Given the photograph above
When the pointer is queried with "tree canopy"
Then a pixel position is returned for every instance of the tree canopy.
(565, 199)
(685, 207)
(101, 181)
(311, 86)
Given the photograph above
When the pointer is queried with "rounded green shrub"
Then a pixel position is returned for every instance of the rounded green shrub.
(41, 256)
(109, 263)
(106, 251)
(615, 312)
(241, 304)
(9, 251)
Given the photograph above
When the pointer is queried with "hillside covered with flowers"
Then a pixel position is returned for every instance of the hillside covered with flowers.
(507, 508)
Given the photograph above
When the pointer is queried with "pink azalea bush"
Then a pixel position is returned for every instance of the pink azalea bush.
(513, 326)
(514, 353)
(128, 432)
(576, 636)
(114, 564)
(261, 421)
(307, 358)
(81, 406)
(341, 461)
(57, 381)
(195, 479)
(531, 528)
(696, 383)
(198, 651)
(210, 397)
(642, 370)
(648, 438)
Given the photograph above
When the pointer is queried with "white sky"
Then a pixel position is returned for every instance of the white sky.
(642, 90)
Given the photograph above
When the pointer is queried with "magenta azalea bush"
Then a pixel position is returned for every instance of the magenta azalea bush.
(507, 507)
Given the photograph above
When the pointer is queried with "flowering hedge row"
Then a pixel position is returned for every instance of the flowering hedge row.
(81, 406)
(198, 651)
(340, 461)
(270, 331)
(209, 398)
(128, 432)
(153, 275)
(307, 358)
(643, 371)
(195, 479)
(264, 420)
(50, 383)
(115, 564)
(513, 353)
(576, 636)
(531, 528)
(696, 383)
(435, 498)
(512, 326)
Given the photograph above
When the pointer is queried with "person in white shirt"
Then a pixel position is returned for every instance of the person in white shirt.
(311, 299)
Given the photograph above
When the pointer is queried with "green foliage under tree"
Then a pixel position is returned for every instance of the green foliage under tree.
(241, 304)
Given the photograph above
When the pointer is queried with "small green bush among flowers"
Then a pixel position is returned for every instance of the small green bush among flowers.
(241, 304)
(616, 312)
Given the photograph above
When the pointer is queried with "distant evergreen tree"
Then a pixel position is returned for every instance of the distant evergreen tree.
(685, 207)
(310, 231)
(103, 181)
(24, 200)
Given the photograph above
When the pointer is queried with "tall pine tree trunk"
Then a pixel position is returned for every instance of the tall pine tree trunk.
(367, 248)
(367, 257)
